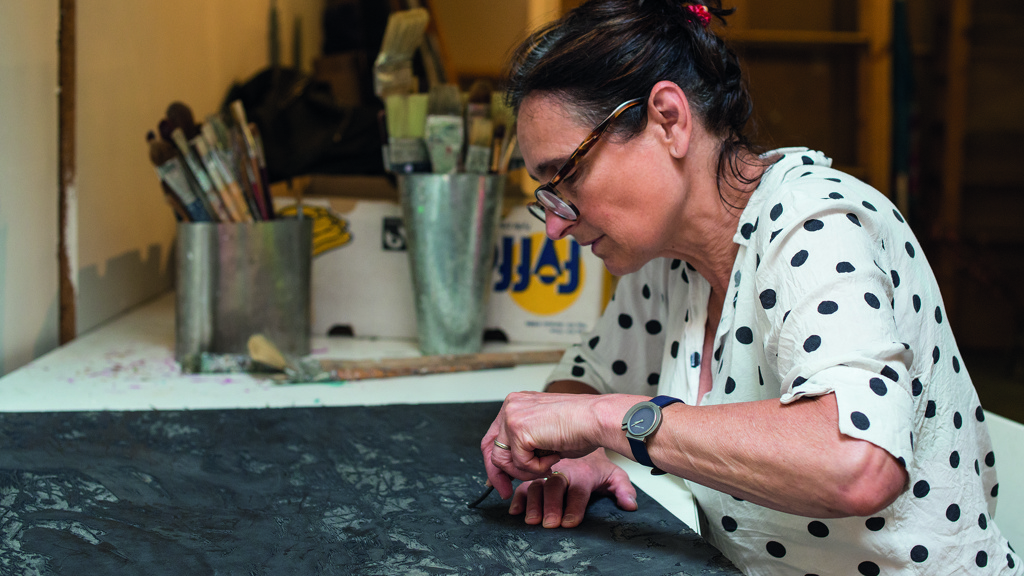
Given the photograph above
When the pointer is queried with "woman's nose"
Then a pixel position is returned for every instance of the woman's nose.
(555, 226)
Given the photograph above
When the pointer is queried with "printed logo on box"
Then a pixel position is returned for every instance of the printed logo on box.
(543, 276)
(393, 237)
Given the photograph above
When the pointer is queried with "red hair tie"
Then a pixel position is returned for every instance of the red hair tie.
(701, 12)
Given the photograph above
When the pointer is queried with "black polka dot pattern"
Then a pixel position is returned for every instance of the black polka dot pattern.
(817, 529)
(872, 300)
(729, 524)
(919, 553)
(828, 307)
(953, 513)
(868, 568)
(776, 549)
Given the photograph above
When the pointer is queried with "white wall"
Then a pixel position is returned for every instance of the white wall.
(135, 58)
(28, 181)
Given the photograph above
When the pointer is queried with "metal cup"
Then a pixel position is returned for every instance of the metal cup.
(236, 280)
(450, 225)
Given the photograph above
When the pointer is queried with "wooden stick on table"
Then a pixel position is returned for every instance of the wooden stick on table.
(391, 367)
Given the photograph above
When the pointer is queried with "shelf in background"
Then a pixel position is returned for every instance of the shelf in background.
(796, 37)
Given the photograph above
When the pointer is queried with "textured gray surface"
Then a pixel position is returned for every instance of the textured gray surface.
(360, 490)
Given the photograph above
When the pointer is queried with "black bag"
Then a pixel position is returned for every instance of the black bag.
(304, 131)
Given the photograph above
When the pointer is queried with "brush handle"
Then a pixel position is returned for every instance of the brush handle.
(205, 184)
(220, 188)
(172, 173)
(391, 367)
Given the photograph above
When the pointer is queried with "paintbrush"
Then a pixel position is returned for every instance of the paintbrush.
(202, 178)
(172, 173)
(221, 160)
(173, 179)
(497, 140)
(261, 162)
(443, 130)
(244, 169)
(180, 116)
(251, 159)
(478, 150)
(478, 100)
(508, 148)
(263, 351)
(479, 128)
(206, 156)
(392, 69)
(405, 115)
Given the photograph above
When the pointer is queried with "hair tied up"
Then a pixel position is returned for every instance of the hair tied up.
(701, 12)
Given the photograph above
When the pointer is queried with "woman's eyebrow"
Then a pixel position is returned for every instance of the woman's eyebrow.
(548, 167)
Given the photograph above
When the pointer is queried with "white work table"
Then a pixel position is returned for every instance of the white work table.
(128, 365)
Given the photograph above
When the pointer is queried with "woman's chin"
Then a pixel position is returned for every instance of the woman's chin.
(618, 267)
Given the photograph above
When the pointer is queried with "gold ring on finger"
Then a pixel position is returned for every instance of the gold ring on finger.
(566, 478)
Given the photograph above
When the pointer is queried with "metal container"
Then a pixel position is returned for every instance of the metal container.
(450, 225)
(236, 280)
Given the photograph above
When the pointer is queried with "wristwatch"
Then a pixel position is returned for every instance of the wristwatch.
(641, 421)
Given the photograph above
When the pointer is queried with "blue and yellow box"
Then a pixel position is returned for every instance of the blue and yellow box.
(544, 290)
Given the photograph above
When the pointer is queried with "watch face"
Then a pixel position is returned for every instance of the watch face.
(642, 421)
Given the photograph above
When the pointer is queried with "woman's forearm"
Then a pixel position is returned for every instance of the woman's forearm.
(789, 457)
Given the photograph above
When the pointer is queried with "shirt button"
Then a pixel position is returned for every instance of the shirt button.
(694, 359)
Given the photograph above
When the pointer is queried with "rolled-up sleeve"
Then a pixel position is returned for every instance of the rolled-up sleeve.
(831, 326)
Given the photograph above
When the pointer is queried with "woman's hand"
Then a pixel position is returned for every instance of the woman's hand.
(561, 499)
(535, 430)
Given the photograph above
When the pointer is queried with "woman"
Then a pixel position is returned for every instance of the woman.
(782, 312)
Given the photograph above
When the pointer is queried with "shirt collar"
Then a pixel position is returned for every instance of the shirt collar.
(791, 159)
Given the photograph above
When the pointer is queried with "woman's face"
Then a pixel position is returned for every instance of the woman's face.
(628, 193)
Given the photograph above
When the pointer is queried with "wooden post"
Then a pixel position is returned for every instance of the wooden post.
(947, 226)
(67, 178)
(875, 134)
(956, 119)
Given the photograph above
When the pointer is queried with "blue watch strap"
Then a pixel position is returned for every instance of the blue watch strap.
(664, 400)
(639, 447)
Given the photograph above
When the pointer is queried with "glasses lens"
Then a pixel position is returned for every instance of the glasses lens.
(537, 210)
(555, 204)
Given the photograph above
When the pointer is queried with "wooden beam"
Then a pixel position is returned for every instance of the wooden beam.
(67, 177)
(875, 134)
(957, 77)
(795, 37)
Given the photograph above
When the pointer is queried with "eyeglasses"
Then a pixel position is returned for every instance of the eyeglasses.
(547, 196)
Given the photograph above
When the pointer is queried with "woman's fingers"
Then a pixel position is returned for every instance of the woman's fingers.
(576, 501)
(554, 498)
(535, 502)
(493, 458)
(551, 501)
(622, 489)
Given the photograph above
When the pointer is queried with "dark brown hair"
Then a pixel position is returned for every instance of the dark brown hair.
(608, 51)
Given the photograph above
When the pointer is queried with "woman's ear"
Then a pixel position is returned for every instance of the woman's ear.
(668, 113)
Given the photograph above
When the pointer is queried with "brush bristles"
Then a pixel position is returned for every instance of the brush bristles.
(403, 34)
